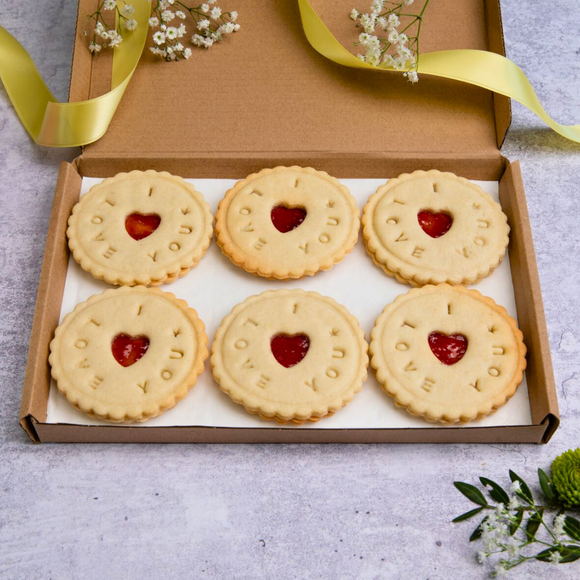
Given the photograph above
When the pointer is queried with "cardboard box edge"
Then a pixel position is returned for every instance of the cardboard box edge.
(68, 433)
(545, 410)
(34, 401)
(496, 43)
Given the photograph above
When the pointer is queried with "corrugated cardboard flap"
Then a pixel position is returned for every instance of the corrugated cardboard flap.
(265, 91)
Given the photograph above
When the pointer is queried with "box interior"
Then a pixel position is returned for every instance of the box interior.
(215, 286)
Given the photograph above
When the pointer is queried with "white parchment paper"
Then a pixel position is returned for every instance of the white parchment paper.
(215, 286)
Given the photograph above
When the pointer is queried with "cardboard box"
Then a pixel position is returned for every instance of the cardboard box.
(262, 98)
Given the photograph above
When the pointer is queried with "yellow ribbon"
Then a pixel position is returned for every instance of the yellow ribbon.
(476, 67)
(56, 124)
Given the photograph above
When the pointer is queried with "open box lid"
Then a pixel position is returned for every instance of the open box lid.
(265, 94)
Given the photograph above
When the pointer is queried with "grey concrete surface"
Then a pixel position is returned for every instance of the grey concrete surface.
(249, 512)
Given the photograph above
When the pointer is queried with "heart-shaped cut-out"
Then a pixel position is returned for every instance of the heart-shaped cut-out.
(434, 224)
(449, 349)
(289, 350)
(127, 349)
(140, 225)
(286, 219)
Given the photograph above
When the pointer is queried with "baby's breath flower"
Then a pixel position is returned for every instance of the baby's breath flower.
(559, 525)
(555, 557)
(514, 503)
(515, 486)
(354, 14)
(211, 22)
(394, 21)
(388, 60)
(482, 557)
(159, 37)
(499, 570)
(171, 33)
(393, 36)
(512, 547)
(412, 76)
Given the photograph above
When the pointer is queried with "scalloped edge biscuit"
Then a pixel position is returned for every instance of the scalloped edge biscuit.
(416, 276)
(166, 276)
(267, 410)
(282, 272)
(86, 405)
(401, 396)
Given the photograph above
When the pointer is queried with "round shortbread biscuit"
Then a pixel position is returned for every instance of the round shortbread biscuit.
(100, 225)
(320, 222)
(447, 353)
(473, 231)
(112, 359)
(290, 355)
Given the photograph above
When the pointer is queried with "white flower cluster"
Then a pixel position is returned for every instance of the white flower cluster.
(384, 38)
(497, 537)
(211, 25)
(210, 22)
(104, 36)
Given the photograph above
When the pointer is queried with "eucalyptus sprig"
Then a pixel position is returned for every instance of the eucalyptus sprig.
(516, 529)
(391, 35)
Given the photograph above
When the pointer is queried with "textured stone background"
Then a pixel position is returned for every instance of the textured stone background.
(247, 512)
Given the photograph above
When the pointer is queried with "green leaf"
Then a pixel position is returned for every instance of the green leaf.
(496, 492)
(533, 524)
(514, 526)
(467, 515)
(471, 492)
(546, 484)
(478, 531)
(572, 527)
(524, 492)
(568, 553)
(544, 555)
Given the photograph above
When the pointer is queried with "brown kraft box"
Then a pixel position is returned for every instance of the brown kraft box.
(262, 98)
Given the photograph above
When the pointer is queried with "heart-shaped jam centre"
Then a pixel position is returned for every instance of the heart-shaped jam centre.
(140, 226)
(286, 219)
(434, 224)
(127, 349)
(289, 350)
(449, 349)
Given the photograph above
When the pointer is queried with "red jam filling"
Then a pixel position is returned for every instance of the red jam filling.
(140, 226)
(286, 219)
(289, 350)
(449, 349)
(127, 350)
(434, 224)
